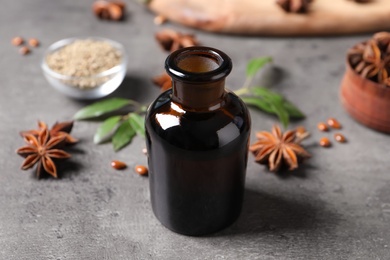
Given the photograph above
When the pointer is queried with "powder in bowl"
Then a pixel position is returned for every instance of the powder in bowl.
(84, 59)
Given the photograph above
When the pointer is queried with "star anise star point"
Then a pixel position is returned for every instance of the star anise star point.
(277, 149)
(41, 150)
(58, 129)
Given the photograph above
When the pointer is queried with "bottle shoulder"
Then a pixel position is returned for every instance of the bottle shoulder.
(198, 129)
(230, 102)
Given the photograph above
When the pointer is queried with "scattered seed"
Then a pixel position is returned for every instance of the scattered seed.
(159, 19)
(141, 169)
(300, 130)
(17, 41)
(118, 165)
(322, 127)
(115, 12)
(109, 10)
(33, 42)
(340, 138)
(301, 133)
(324, 142)
(120, 3)
(24, 50)
(100, 9)
(145, 151)
(334, 123)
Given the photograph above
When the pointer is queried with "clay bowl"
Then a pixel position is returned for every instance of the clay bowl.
(365, 100)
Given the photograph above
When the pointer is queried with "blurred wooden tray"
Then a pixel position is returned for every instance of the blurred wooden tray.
(265, 17)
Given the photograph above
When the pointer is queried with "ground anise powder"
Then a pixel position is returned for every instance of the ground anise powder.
(84, 58)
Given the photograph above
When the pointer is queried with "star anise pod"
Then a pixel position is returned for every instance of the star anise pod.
(294, 6)
(163, 81)
(171, 40)
(41, 150)
(372, 63)
(58, 129)
(276, 149)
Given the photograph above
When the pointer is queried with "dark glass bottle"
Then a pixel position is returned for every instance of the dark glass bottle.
(197, 140)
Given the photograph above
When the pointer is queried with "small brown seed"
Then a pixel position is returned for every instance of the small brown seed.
(118, 165)
(340, 138)
(24, 50)
(322, 127)
(99, 8)
(334, 123)
(141, 169)
(33, 42)
(115, 11)
(324, 142)
(301, 133)
(17, 41)
(109, 10)
(120, 4)
(300, 130)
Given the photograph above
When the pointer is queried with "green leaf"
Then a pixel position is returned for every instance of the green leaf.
(123, 135)
(259, 103)
(281, 112)
(292, 110)
(266, 93)
(137, 122)
(106, 129)
(269, 106)
(255, 64)
(102, 107)
(277, 100)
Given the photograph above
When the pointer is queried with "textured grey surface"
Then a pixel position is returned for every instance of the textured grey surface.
(336, 207)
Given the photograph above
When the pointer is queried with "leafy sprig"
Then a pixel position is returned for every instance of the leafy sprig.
(263, 98)
(120, 125)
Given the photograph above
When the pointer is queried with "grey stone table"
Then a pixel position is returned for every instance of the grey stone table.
(336, 207)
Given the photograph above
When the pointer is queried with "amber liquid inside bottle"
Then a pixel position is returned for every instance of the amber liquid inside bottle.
(197, 140)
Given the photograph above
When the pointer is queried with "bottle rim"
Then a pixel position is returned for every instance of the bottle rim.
(223, 60)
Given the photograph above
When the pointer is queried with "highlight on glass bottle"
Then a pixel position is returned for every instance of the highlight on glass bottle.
(197, 140)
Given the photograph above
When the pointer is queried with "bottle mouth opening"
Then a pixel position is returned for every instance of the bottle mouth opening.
(199, 64)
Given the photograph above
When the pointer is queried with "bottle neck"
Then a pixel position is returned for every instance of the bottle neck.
(198, 74)
(194, 95)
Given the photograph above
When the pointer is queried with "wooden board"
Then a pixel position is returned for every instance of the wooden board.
(265, 17)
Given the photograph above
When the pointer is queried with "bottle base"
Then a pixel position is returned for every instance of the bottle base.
(196, 231)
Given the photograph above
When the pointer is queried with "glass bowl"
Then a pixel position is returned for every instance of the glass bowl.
(106, 81)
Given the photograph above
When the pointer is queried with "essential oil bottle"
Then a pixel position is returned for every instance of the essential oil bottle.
(197, 140)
